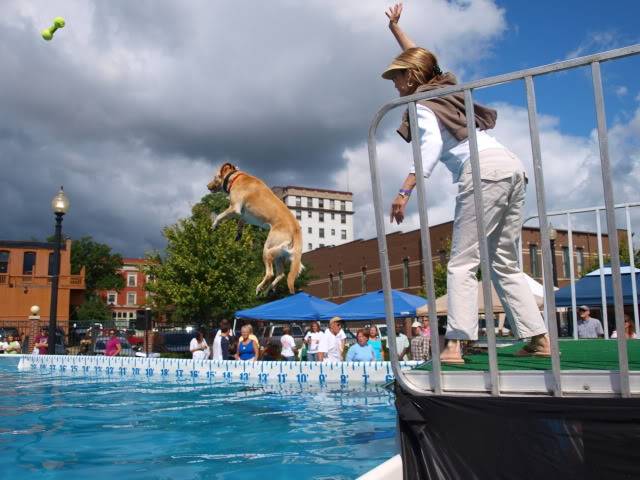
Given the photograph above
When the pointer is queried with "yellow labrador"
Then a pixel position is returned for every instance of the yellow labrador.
(255, 203)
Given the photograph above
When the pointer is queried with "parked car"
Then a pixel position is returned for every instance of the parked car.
(100, 346)
(274, 332)
(172, 342)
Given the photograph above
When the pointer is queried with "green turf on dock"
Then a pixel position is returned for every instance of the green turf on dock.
(575, 355)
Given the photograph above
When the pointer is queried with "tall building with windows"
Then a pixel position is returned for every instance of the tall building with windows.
(125, 303)
(326, 216)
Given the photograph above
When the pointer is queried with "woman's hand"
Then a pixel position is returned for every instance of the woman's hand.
(393, 13)
(397, 209)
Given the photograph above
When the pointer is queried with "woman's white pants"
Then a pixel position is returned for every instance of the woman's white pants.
(503, 200)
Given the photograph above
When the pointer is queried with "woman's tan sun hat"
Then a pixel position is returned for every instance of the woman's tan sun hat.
(393, 68)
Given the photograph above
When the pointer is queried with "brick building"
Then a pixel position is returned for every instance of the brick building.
(25, 280)
(133, 297)
(348, 270)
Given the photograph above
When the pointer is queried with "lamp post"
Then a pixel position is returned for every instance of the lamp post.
(60, 206)
(553, 234)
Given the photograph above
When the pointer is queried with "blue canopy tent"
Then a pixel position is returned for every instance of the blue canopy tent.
(298, 307)
(370, 306)
(588, 290)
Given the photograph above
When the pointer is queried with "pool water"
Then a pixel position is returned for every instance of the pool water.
(56, 427)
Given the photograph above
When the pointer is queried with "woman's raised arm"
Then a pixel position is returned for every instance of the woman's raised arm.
(393, 14)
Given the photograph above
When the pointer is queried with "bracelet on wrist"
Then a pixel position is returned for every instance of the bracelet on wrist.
(404, 193)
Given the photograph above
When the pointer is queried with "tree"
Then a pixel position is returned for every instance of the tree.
(625, 259)
(100, 264)
(93, 309)
(206, 274)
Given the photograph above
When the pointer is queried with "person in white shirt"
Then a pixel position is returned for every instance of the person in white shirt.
(198, 347)
(331, 346)
(444, 138)
(288, 345)
(312, 340)
(221, 342)
(402, 343)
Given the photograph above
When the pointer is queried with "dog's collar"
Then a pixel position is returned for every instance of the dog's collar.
(226, 184)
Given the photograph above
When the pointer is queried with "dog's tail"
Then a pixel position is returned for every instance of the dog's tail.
(296, 259)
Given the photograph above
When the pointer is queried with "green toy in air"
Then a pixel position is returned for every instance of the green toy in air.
(47, 33)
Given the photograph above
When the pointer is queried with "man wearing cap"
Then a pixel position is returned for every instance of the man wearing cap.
(588, 327)
(331, 345)
(419, 343)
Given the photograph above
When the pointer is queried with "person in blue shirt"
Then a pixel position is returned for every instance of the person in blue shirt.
(361, 351)
(376, 343)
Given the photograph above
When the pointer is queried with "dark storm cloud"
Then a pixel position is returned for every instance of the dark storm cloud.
(133, 103)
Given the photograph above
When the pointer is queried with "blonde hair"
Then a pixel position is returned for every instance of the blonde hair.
(421, 64)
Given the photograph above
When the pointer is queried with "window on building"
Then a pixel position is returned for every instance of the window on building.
(119, 314)
(50, 269)
(132, 280)
(343, 205)
(534, 263)
(4, 261)
(298, 215)
(331, 285)
(309, 202)
(298, 201)
(405, 273)
(321, 217)
(322, 245)
(343, 218)
(309, 214)
(579, 261)
(321, 203)
(566, 265)
(363, 280)
(321, 232)
(28, 262)
(113, 314)
(333, 216)
(332, 204)
(310, 230)
(333, 232)
(131, 298)
(310, 246)
(340, 275)
(112, 298)
(343, 234)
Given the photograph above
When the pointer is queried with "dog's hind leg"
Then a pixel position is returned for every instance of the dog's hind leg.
(279, 272)
(267, 258)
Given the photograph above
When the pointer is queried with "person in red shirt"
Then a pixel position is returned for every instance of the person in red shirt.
(113, 345)
(42, 341)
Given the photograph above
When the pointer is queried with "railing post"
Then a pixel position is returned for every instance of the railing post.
(425, 243)
(547, 271)
(612, 230)
(574, 314)
(603, 289)
(485, 266)
(632, 268)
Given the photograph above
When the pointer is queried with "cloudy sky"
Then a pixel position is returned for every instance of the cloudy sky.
(133, 104)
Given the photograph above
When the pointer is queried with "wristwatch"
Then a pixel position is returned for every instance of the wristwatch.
(404, 193)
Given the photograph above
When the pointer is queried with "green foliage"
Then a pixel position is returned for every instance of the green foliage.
(93, 309)
(623, 249)
(101, 265)
(207, 274)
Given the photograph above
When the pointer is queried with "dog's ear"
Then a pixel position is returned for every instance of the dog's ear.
(227, 167)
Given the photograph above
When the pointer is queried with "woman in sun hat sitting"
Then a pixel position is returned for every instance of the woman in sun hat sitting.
(442, 126)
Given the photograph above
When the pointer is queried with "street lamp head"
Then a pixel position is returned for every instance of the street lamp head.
(553, 233)
(60, 203)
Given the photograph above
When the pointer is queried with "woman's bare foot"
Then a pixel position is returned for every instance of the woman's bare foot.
(452, 353)
(538, 346)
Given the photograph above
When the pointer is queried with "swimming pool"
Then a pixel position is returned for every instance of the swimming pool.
(82, 427)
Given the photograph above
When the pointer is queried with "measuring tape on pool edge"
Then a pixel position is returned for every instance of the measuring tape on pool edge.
(202, 371)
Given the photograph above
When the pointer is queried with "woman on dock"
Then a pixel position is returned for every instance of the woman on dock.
(442, 125)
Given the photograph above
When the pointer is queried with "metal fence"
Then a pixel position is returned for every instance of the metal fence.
(568, 217)
(594, 61)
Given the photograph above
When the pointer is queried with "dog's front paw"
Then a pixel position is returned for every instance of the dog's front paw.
(214, 217)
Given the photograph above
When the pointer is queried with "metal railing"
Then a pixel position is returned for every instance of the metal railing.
(550, 310)
(597, 211)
